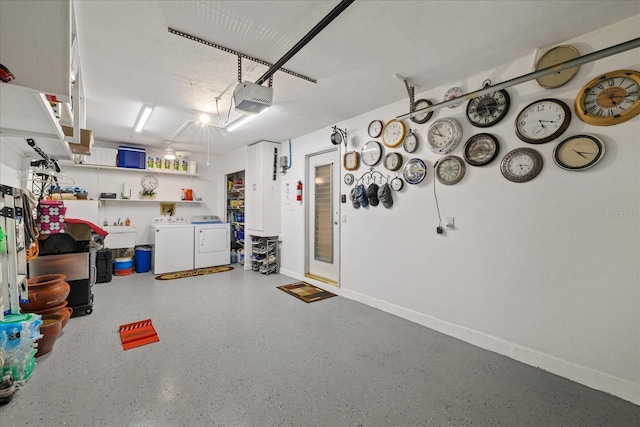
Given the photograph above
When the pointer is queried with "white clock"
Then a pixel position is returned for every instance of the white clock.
(149, 182)
(393, 133)
(444, 135)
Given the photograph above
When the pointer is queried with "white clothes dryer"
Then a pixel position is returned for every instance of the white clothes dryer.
(212, 241)
(173, 240)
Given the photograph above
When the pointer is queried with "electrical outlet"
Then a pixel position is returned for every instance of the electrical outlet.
(450, 224)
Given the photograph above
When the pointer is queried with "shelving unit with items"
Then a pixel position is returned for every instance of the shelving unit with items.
(265, 254)
(235, 213)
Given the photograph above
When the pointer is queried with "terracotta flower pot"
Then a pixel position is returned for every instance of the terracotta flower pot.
(50, 330)
(46, 291)
(62, 309)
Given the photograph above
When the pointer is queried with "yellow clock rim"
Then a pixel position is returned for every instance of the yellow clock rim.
(588, 118)
(400, 140)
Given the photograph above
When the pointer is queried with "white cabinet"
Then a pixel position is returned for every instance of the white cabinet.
(262, 190)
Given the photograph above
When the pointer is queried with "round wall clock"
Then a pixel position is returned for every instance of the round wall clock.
(348, 179)
(336, 138)
(149, 182)
(424, 117)
(542, 121)
(371, 153)
(392, 161)
(454, 92)
(481, 149)
(521, 165)
(555, 56)
(578, 152)
(410, 143)
(444, 135)
(375, 128)
(450, 170)
(488, 109)
(393, 133)
(414, 171)
(396, 183)
(610, 99)
(351, 160)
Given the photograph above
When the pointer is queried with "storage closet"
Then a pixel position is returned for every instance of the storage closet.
(235, 214)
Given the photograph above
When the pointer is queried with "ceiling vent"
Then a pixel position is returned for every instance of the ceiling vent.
(251, 98)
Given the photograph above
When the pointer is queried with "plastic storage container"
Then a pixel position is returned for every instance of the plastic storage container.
(143, 259)
(131, 157)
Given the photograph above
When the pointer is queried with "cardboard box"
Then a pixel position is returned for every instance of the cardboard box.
(86, 140)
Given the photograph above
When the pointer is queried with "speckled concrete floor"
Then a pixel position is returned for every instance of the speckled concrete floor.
(236, 351)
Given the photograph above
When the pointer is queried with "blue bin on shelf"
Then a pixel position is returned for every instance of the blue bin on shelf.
(143, 259)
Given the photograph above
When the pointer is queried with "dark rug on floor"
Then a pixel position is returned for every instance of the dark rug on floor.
(196, 272)
(306, 292)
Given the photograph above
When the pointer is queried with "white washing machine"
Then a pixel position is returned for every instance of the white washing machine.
(212, 241)
(173, 244)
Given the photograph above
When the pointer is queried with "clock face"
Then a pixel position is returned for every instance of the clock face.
(371, 153)
(553, 57)
(348, 179)
(410, 143)
(578, 152)
(393, 133)
(393, 161)
(149, 182)
(414, 171)
(453, 93)
(424, 117)
(542, 121)
(336, 138)
(351, 160)
(488, 109)
(375, 128)
(610, 99)
(521, 164)
(444, 135)
(397, 183)
(450, 170)
(481, 149)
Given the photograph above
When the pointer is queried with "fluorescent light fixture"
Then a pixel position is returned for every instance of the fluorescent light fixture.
(242, 120)
(145, 112)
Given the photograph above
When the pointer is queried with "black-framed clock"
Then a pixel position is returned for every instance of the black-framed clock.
(488, 109)
(481, 149)
(371, 153)
(423, 117)
(578, 152)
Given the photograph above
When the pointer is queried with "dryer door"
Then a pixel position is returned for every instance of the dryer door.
(213, 246)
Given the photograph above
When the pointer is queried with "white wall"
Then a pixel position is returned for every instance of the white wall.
(10, 165)
(545, 272)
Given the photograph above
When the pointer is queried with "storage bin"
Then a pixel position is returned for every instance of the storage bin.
(143, 259)
(103, 266)
(51, 216)
(131, 157)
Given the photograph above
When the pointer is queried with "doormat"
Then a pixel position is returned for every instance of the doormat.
(306, 292)
(196, 272)
(137, 334)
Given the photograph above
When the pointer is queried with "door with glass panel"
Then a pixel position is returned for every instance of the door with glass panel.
(322, 216)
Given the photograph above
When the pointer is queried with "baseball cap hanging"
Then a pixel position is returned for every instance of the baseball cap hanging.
(384, 194)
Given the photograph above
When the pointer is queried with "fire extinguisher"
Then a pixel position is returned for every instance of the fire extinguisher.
(299, 192)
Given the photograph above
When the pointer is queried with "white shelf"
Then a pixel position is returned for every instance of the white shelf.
(114, 168)
(150, 201)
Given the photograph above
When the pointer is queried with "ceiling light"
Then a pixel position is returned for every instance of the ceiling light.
(204, 118)
(170, 156)
(145, 112)
(242, 120)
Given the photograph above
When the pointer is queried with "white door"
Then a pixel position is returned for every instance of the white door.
(322, 195)
(173, 249)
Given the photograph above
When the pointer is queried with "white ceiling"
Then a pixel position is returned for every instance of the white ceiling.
(129, 58)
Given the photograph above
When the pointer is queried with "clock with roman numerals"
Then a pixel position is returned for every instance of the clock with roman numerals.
(488, 109)
(609, 99)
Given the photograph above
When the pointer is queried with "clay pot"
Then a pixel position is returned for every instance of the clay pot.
(50, 330)
(62, 309)
(46, 291)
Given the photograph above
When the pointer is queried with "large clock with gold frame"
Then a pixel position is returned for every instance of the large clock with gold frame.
(393, 133)
(609, 99)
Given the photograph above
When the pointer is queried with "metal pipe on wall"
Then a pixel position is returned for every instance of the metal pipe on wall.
(603, 53)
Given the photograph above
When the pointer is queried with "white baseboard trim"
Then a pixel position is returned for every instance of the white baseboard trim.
(619, 387)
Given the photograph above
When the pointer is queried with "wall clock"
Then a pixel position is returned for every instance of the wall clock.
(393, 133)
(542, 121)
(488, 109)
(452, 93)
(444, 135)
(424, 117)
(521, 165)
(392, 161)
(348, 179)
(410, 143)
(375, 128)
(450, 170)
(610, 99)
(396, 183)
(371, 153)
(481, 149)
(555, 56)
(578, 152)
(351, 160)
(414, 171)
(149, 182)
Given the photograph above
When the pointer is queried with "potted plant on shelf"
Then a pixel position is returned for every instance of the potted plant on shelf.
(147, 194)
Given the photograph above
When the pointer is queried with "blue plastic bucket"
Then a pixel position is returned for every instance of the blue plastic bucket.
(143, 259)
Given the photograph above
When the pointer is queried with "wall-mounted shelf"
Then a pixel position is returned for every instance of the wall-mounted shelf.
(150, 201)
(114, 168)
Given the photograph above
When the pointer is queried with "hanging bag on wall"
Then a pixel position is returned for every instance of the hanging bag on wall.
(51, 216)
